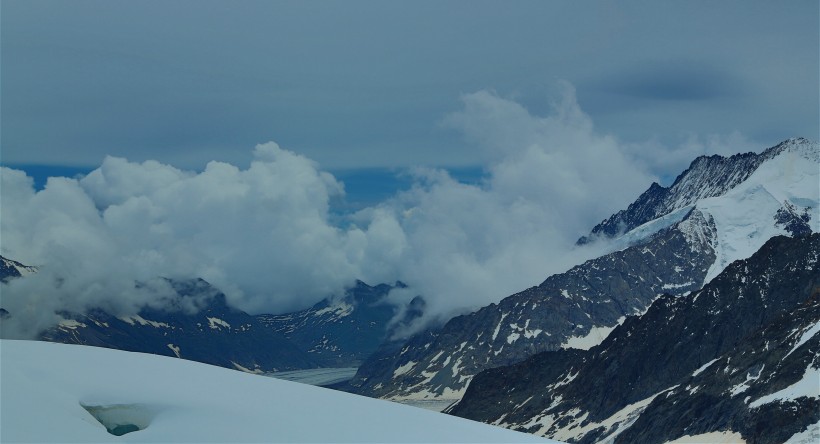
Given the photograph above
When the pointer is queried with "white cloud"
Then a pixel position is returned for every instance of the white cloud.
(260, 234)
(265, 236)
(550, 179)
(665, 160)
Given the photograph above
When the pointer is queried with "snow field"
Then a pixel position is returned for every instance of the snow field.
(48, 390)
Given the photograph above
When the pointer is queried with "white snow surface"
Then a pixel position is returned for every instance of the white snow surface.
(744, 217)
(595, 336)
(704, 367)
(807, 334)
(45, 386)
(809, 436)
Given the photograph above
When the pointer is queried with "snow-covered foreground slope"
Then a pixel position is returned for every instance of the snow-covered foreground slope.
(45, 387)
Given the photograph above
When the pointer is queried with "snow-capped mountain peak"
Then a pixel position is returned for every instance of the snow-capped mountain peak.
(706, 177)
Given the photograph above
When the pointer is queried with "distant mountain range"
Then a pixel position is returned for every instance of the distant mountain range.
(218, 334)
(343, 332)
(336, 332)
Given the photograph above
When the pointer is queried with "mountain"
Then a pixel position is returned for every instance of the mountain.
(719, 210)
(10, 269)
(217, 334)
(707, 176)
(572, 309)
(340, 332)
(336, 332)
(739, 357)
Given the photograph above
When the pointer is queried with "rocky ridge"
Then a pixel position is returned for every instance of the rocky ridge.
(742, 355)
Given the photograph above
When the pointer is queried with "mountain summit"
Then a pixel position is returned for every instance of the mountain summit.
(707, 176)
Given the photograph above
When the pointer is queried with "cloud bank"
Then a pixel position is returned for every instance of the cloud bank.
(260, 234)
(266, 235)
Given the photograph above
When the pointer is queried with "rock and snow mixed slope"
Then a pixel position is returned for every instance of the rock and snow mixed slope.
(717, 211)
(563, 311)
(336, 332)
(741, 356)
(69, 393)
(12, 269)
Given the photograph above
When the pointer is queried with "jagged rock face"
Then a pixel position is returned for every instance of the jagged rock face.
(572, 309)
(217, 335)
(707, 176)
(723, 358)
(339, 332)
(794, 221)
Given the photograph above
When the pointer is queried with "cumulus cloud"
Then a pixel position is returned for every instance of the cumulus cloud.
(549, 180)
(260, 234)
(266, 235)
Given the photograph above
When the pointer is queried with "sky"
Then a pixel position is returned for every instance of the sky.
(281, 150)
(367, 84)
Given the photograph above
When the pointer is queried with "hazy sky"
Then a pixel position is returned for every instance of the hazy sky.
(236, 130)
(368, 83)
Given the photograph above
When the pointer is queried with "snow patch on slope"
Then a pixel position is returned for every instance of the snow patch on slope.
(595, 336)
(808, 334)
(711, 437)
(808, 386)
(137, 319)
(216, 323)
(809, 436)
(571, 428)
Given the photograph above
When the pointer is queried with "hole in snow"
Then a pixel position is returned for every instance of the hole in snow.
(120, 419)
